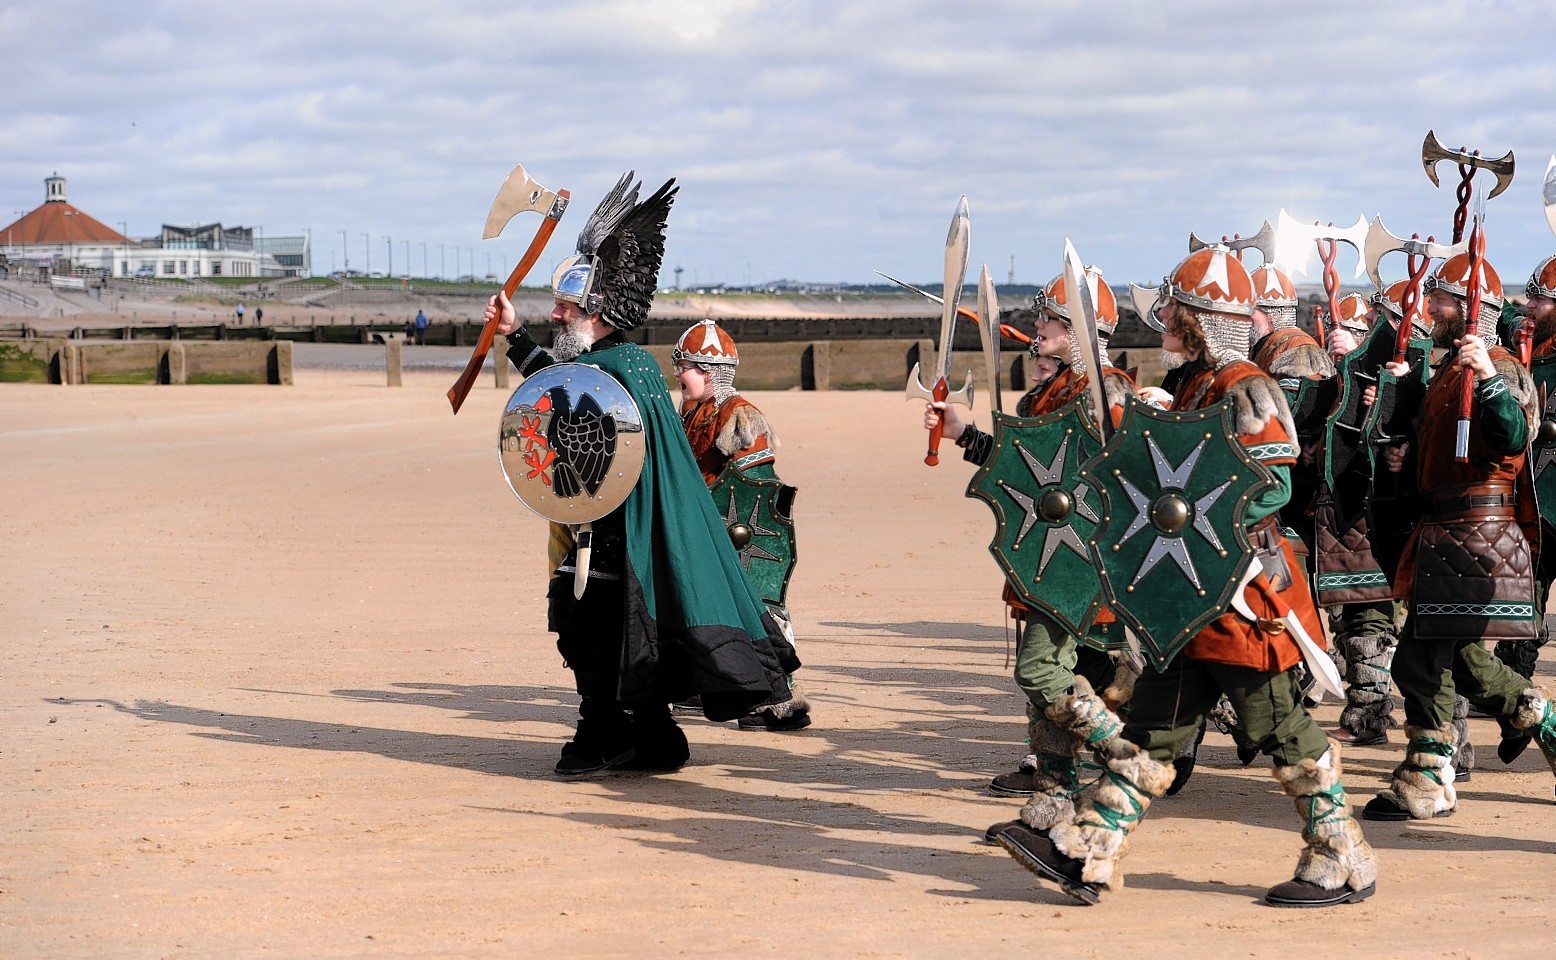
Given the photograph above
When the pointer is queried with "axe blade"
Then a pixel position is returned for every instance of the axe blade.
(1549, 194)
(1262, 241)
(1145, 300)
(518, 194)
(1432, 151)
(1294, 241)
(1380, 242)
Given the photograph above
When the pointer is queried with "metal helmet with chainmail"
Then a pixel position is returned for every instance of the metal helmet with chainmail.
(1216, 288)
(1453, 277)
(708, 347)
(620, 250)
(1054, 300)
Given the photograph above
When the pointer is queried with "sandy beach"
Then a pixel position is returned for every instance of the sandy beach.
(278, 684)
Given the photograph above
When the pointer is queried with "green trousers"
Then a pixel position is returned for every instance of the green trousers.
(1432, 674)
(1048, 657)
(1167, 708)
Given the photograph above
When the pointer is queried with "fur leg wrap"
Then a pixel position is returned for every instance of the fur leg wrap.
(1109, 810)
(1537, 715)
(1520, 655)
(1335, 854)
(1369, 701)
(1055, 781)
(1127, 666)
(1086, 717)
(1464, 751)
(1423, 783)
(1225, 719)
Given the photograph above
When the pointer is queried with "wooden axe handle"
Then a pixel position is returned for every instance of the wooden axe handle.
(483, 345)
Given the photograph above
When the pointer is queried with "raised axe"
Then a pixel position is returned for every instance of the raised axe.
(1294, 239)
(965, 313)
(1420, 254)
(1263, 241)
(518, 194)
(1469, 161)
(956, 243)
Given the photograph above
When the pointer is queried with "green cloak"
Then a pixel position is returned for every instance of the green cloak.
(693, 623)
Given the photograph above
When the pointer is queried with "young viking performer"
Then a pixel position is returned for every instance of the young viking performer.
(1467, 570)
(1290, 355)
(1207, 301)
(725, 428)
(1351, 581)
(667, 611)
(1050, 663)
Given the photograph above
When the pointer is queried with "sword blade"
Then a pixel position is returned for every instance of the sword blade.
(957, 241)
(1084, 326)
(988, 330)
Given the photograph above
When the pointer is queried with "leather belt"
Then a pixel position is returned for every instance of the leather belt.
(1445, 508)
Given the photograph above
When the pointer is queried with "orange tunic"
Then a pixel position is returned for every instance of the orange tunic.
(1231, 638)
(704, 421)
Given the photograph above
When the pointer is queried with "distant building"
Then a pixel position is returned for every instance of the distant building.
(64, 239)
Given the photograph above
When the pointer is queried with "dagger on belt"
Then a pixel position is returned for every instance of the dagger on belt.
(956, 243)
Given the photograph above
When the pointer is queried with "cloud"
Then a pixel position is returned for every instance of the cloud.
(812, 140)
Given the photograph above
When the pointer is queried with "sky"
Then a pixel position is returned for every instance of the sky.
(816, 141)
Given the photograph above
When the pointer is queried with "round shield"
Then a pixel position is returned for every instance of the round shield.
(571, 443)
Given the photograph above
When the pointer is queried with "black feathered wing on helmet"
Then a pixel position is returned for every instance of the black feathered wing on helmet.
(626, 239)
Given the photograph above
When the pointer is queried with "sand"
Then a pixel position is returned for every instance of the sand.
(277, 684)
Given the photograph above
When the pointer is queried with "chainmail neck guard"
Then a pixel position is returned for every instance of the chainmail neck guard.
(721, 377)
(1281, 317)
(1227, 338)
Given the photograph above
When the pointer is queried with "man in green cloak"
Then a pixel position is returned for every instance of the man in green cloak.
(668, 612)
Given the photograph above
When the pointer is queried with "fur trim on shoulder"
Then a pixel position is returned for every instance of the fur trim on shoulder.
(1255, 400)
(1305, 360)
(1519, 383)
(745, 424)
(1116, 385)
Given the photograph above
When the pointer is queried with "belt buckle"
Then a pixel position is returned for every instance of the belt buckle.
(1273, 627)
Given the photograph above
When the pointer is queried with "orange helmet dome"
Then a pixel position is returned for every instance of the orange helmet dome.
(1272, 287)
(706, 342)
(1351, 314)
(1542, 283)
(1392, 299)
(1055, 298)
(1212, 279)
(1454, 277)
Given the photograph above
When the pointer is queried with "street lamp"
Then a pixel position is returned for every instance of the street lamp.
(368, 251)
(389, 242)
(423, 258)
(345, 255)
(442, 264)
(407, 257)
(124, 232)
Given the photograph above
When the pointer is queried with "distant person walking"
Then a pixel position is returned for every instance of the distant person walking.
(421, 328)
(240, 313)
(259, 316)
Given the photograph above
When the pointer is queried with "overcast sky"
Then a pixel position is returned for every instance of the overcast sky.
(813, 140)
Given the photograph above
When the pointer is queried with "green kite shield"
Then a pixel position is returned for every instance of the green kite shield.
(1542, 449)
(1171, 547)
(1044, 513)
(758, 513)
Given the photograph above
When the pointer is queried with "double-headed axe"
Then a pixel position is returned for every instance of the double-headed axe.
(956, 242)
(1420, 254)
(519, 194)
(1468, 161)
(1263, 241)
(1294, 240)
(1548, 194)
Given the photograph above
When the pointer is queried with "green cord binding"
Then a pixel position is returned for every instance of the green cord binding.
(1429, 746)
(1119, 819)
(1337, 801)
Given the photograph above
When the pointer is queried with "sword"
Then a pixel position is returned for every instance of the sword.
(1005, 329)
(956, 242)
(517, 195)
(989, 311)
(1085, 326)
